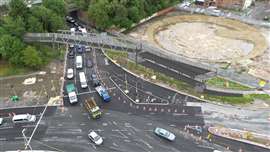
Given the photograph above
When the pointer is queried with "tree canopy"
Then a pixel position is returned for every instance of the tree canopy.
(48, 17)
(122, 13)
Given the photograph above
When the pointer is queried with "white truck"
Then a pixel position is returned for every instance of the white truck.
(71, 93)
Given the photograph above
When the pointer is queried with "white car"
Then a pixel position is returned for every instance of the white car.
(1, 121)
(70, 74)
(94, 137)
(164, 133)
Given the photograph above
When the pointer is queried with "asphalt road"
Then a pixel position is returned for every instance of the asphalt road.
(125, 125)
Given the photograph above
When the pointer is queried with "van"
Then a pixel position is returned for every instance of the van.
(83, 80)
(79, 63)
(22, 118)
(72, 31)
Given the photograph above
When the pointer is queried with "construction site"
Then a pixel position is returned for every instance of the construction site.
(214, 40)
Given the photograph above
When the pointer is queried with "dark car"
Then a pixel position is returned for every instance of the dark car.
(95, 80)
(77, 25)
(71, 53)
(89, 63)
(70, 19)
(83, 48)
(79, 48)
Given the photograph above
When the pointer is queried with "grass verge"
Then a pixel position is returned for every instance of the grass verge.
(121, 58)
(226, 84)
(7, 70)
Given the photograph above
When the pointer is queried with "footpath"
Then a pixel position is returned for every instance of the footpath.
(243, 136)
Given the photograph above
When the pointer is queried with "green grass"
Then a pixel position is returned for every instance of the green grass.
(8, 70)
(227, 84)
(116, 55)
(121, 58)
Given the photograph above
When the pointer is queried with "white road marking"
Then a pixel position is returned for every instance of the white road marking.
(149, 124)
(3, 139)
(122, 134)
(6, 127)
(93, 145)
(115, 123)
(115, 144)
(18, 138)
(28, 126)
(147, 144)
(180, 114)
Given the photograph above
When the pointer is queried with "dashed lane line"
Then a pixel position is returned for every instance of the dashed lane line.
(6, 128)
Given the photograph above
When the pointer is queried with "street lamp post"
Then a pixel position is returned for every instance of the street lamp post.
(43, 112)
(25, 139)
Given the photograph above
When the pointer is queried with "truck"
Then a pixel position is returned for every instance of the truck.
(103, 93)
(92, 108)
(71, 93)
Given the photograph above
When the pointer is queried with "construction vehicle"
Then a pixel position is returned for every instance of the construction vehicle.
(92, 108)
(103, 93)
(71, 93)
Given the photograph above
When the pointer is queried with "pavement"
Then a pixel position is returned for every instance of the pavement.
(125, 125)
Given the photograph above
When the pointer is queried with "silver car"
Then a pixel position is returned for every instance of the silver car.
(164, 133)
(94, 137)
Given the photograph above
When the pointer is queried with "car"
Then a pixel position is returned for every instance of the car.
(89, 63)
(87, 48)
(76, 24)
(79, 48)
(83, 48)
(1, 121)
(70, 19)
(71, 54)
(95, 80)
(164, 133)
(71, 46)
(95, 138)
(23, 118)
(70, 74)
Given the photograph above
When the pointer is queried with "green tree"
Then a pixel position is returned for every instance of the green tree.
(134, 14)
(58, 6)
(83, 4)
(34, 24)
(14, 26)
(99, 12)
(17, 8)
(11, 48)
(31, 57)
(43, 14)
(50, 21)
(56, 22)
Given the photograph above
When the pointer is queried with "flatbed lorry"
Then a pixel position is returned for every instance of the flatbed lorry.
(92, 108)
(71, 93)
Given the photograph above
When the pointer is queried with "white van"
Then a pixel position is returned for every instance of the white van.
(72, 31)
(22, 118)
(83, 80)
(79, 63)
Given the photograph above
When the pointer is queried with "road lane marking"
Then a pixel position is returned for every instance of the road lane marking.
(6, 127)
(147, 144)
(3, 139)
(17, 138)
(180, 114)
